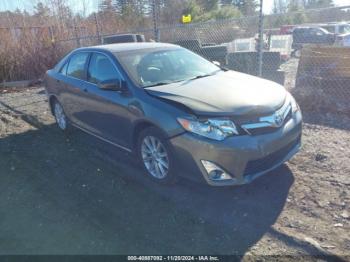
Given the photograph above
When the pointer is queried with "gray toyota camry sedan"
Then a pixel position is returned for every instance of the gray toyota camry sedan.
(180, 114)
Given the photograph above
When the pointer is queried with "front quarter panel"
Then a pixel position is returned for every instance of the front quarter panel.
(157, 112)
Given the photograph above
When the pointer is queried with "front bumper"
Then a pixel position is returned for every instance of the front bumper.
(243, 157)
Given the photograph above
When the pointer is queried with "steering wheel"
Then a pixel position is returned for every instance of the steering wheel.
(152, 73)
(151, 68)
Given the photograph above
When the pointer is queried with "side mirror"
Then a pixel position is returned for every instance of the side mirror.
(111, 84)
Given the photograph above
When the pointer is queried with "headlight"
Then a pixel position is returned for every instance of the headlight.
(294, 104)
(217, 129)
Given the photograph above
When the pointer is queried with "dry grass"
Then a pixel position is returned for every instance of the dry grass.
(27, 56)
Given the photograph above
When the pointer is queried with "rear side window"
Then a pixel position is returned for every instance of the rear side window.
(101, 69)
(316, 32)
(344, 29)
(76, 65)
(330, 29)
(63, 70)
(299, 32)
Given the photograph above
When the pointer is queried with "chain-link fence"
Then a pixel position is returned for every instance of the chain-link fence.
(306, 51)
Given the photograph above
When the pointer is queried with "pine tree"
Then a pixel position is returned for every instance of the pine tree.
(279, 6)
(138, 7)
(41, 10)
(247, 7)
(208, 5)
(311, 4)
(107, 6)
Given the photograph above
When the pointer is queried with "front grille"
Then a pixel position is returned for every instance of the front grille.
(269, 129)
(262, 164)
(262, 130)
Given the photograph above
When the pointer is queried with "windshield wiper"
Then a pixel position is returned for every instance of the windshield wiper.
(164, 83)
(205, 75)
(193, 78)
(200, 76)
(158, 84)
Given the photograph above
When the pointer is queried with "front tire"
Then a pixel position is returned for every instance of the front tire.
(156, 157)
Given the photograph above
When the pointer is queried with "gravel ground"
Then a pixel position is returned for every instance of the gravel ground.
(76, 195)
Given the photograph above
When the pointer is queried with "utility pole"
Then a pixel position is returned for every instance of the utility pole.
(260, 43)
(155, 20)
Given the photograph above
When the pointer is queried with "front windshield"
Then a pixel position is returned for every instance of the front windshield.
(158, 67)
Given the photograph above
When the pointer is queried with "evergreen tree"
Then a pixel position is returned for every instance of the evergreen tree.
(279, 6)
(247, 7)
(312, 4)
(107, 6)
(208, 5)
(41, 10)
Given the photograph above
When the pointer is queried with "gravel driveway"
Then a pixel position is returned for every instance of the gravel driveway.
(76, 195)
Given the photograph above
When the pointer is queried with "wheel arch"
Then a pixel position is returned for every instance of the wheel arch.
(139, 127)
(52, 99)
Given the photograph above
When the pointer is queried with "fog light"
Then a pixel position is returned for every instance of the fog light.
(215, 172)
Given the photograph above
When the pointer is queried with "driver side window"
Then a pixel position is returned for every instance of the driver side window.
(101, 69)
(316, 32)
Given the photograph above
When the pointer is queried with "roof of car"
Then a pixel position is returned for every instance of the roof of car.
(307, 27)
(122, 47)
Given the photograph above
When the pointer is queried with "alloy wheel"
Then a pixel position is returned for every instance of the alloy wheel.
(60, 116)
(155, 157)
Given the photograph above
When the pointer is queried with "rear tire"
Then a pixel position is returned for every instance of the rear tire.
(156, 156)
(296, 53)
(60, 116)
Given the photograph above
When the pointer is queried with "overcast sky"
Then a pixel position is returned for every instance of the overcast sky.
(268, 4)
(91, 5)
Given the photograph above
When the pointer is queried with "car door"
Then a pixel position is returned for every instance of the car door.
(318, 36)
(105, 112)
(300, 36)
(72, 96)
(57, 82)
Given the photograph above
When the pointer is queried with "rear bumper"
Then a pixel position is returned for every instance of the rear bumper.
(243, 157)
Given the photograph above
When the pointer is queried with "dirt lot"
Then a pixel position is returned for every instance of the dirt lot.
(77, 195)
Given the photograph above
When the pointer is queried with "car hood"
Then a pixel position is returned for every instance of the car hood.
(226, 93)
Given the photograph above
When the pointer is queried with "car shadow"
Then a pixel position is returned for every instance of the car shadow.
(76, 195)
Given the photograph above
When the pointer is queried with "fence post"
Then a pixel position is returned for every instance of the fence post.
(260, 43)
(97, 29)
(155, 20)
(76, 34)
(51, 33)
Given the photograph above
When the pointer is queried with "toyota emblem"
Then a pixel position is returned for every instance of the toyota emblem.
(278, 119)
